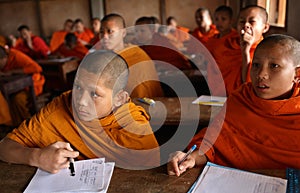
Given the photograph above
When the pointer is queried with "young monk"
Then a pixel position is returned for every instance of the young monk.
(179, 32)
(231, 50)
(58, 37)
(84, 34)
(71, 47)
(96, 119)
(143, 79)
(206, 29)
(158, 47)
(13, 61)
(261, 122)
(31, 45)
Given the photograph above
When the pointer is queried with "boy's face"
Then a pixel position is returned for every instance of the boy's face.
(79, 27)
(251, 21)
(25, 34)
(203, 19)
(92, 99)
(96, 26)
(272, 72)
(111, 35)
(222, 21)
(143, 34)
(68, 26)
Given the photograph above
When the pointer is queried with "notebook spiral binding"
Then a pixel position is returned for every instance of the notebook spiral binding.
(293, 185)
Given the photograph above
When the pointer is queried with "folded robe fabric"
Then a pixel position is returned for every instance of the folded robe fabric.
(256, 133)
(124, 136)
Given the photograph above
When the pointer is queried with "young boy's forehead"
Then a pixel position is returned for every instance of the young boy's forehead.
(254, 12)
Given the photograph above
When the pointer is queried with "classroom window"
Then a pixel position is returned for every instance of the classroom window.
(276, 10)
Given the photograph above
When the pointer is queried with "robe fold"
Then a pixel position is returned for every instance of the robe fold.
(125, 136)
(87, 35)
(57, 39)
(78, 51)
(256, 133)
(5, 117)
(204, 37)
(143, 80)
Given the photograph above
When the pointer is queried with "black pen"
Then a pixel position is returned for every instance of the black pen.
(187, 154)
(72, 167)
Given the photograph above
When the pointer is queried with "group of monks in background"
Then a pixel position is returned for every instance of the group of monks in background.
(158, 45)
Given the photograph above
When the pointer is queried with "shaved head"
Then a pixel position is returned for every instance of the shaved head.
(115, 17)
(262, 11)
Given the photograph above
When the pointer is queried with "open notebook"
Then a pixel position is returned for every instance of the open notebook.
(210, 100)
(90, 176)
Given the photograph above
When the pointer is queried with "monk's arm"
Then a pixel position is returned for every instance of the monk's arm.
(246, 59)
(51, 158)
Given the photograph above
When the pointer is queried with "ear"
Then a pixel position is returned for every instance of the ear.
(120, 98)
(124, 32)
(266, 28)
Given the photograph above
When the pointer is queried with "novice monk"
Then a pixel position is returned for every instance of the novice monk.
(97, 119)
(143, 79)
(13, 61)
(261, 124)
(231, 50)
(58, 37)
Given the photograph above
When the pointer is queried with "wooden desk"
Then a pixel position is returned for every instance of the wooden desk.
(175, 111)
(15, 178)
(56, 71)
(15, 83)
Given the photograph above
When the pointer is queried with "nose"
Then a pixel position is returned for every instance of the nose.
(83, 99)
(263, 73)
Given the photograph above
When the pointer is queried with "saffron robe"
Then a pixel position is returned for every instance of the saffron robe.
(228, 56)
(18, 60)
(87, 35)
(40, 48)
(5, 117)
(204, 37)
(256, 133)
(165, 53)
(125, 136)
(78, 51)
(143, 80)
(57, 39)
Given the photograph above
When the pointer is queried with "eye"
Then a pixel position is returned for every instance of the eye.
(274, 66)
(255, 65)
(94, 95)
(76, 86)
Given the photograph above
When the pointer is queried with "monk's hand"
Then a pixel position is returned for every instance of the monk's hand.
(174, 168)
(55, 156)
(247, 38)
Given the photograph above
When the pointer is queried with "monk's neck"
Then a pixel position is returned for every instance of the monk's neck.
(120, 47)
(205, 29)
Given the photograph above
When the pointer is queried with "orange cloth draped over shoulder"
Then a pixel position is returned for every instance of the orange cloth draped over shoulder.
(228, 56)
(5, 117)
(78, 51)
(87, 35)
(143, 80)
(256, 133)
(125, 136)
(18, 60)
(204, 37)
(57, 39)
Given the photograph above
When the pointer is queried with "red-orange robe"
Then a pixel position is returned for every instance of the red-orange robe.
(124, 136)
(204, 37)
(87, 35)
(228, 56)
(164, 54)
(57, 39)
(78, 51)
(40, 48)
(256, 133)
(18, 60)
(5, 117)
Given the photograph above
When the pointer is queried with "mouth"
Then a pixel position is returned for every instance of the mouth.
(262, 87)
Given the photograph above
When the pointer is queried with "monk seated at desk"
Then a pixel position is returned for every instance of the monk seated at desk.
(96, 119)
(261, 123)
(13, 61)
(71, 47)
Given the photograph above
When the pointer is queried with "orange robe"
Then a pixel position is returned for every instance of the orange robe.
(256, 133)
(5, 117)
(143, 80)
(228, 56)
(87, 35)
(204, 37)
(165, 53)
(125, 136)
(78, 51)
(18, 60)
(57, 39)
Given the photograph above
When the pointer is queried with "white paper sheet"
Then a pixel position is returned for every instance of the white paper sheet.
(91, 176)
(210, 100)
(218, 179)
